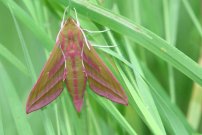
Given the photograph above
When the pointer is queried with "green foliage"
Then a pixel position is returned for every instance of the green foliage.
(155, 61)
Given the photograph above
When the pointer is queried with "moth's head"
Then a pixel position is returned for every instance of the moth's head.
(70, 29)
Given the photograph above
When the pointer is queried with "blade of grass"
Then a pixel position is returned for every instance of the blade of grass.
(192, 16)
(1, 122)
(66, 118)
(143, 37)
(170, 115)
(136, 100)
(157, 45)
(57, 119)
(13, 59)
(194, 112)
(143, 89)
(74, 119)
(25, 50)
(168, 34)
(108, 106)
(39, 11)
(30, 7)
(47, 122)
(93, 119)
(29, 23)
(14, 103)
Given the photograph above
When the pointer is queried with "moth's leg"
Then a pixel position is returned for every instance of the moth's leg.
(94, 32)
(84, 69)
(103, 46)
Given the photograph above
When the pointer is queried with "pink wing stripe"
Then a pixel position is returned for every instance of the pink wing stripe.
(57, 66)
(108, 95)
(90, 63)
(44, 102)
(48, 89)
(103, 83)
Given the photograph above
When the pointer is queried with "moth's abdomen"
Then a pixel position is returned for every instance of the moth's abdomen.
(76, 80)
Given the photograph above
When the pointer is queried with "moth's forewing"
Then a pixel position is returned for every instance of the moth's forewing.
(101, 79)
(50, 82)
(76, 77)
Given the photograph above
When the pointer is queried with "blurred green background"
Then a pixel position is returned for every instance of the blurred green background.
(157, 60)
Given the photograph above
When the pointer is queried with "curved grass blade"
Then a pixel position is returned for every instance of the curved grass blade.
(4, 52)
(143, 37)
(13, 102)
(167, 114)
(115, 113)
(1, 122)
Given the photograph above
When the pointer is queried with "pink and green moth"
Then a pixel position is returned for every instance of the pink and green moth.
(74, 62)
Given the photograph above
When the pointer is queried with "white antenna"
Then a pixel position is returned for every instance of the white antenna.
(63, 17)
(77, 20)
(78, 24)
(62, 23)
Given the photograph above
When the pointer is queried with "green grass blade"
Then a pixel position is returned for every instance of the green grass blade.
(144, 112)
(143, 37)
(4, 52)
(30, 7)
(168, 35)
(57, 119)
(170, 115)
(1, 122)
(91, 121)
(47, 123)
(143, 89)
(193, 16)
(114, 112)
(27, 21)
(67, 120)
(95, 121)
(14, 103)
(194, 111)
(25, 50)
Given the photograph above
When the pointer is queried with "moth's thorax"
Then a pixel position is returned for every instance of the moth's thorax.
(71, 40)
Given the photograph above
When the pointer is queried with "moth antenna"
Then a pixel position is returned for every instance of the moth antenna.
(63, 17)
(92, 32)
(78, 24)
(62, 23)
(77, 20)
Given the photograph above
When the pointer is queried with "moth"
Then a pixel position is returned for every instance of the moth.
(74, 62)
